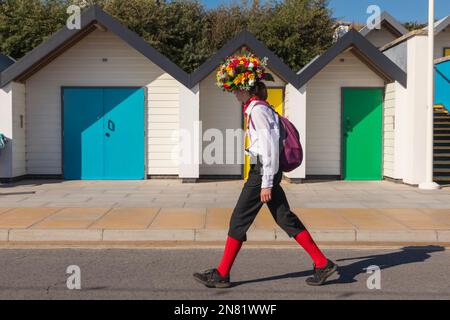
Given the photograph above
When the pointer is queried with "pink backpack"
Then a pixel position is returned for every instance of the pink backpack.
(291, 155)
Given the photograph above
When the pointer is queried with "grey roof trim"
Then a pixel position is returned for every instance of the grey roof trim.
(354, 39)
(88, 18)
(404, 38)
(5, 62)
(387, 18)
(247, 39)
(440, 25)
(309, 63)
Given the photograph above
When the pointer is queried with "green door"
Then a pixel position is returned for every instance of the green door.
(362, 134)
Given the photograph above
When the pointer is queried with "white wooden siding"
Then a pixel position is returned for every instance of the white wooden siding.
(380, 37)
(442, 41)
(6, 128)
(19, 146)
(222, 111)
(388, 131)
(323, 111)
(82, 65)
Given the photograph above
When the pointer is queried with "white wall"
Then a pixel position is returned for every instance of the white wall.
(411, 112)
(82, 65)
(19, 146)
(389, 130)
(12, 106)
(402, 110)
(295, 111)
(221, 110)
(189, 136)
(414, 139)
(323, 110)
(6, 127)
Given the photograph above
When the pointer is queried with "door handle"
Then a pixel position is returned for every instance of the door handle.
(107, 134)
(111, 125)
(348, 125)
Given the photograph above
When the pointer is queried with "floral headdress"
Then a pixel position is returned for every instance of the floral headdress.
(242, 72)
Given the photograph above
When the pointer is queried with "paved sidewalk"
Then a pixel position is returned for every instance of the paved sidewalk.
(168, 210)
(201, 225)
(214, 194)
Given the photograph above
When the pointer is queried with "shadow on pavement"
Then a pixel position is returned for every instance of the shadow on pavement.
(348, 273)
(407, 255)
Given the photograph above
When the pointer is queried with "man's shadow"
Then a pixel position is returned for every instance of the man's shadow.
(348, 273)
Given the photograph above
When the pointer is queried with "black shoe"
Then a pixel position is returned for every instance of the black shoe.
(212, 279)
(322, 274)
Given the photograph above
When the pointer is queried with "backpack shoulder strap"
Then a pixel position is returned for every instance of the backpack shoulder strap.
(264, 104)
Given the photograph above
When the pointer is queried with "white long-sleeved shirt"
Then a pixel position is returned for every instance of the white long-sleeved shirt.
(264, 136)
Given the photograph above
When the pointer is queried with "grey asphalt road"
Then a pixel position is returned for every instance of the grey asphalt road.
(406, 273)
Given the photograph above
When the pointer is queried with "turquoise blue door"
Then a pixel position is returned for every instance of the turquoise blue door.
(103, 133)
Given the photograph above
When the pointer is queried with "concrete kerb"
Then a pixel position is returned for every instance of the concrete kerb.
(200, 236)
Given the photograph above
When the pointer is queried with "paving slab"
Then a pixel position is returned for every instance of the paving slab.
(441, 215)
(81, 204)
(166, 204)
(369, 219)
(414, 219)
(24, 217)
(29, 204)
(337, 204)
(6, 209)
(179, 218)
(218, 218)
(72, 218)
(322, 219)
(126, 218)
(340, 225)
(265, 220)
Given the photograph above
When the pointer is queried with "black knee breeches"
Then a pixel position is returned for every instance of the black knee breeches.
(249, 204)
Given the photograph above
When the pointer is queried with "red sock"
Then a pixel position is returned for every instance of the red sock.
(305, 240)
(232, 248)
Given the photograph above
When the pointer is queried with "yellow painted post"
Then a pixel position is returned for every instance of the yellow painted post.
(275, 98)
